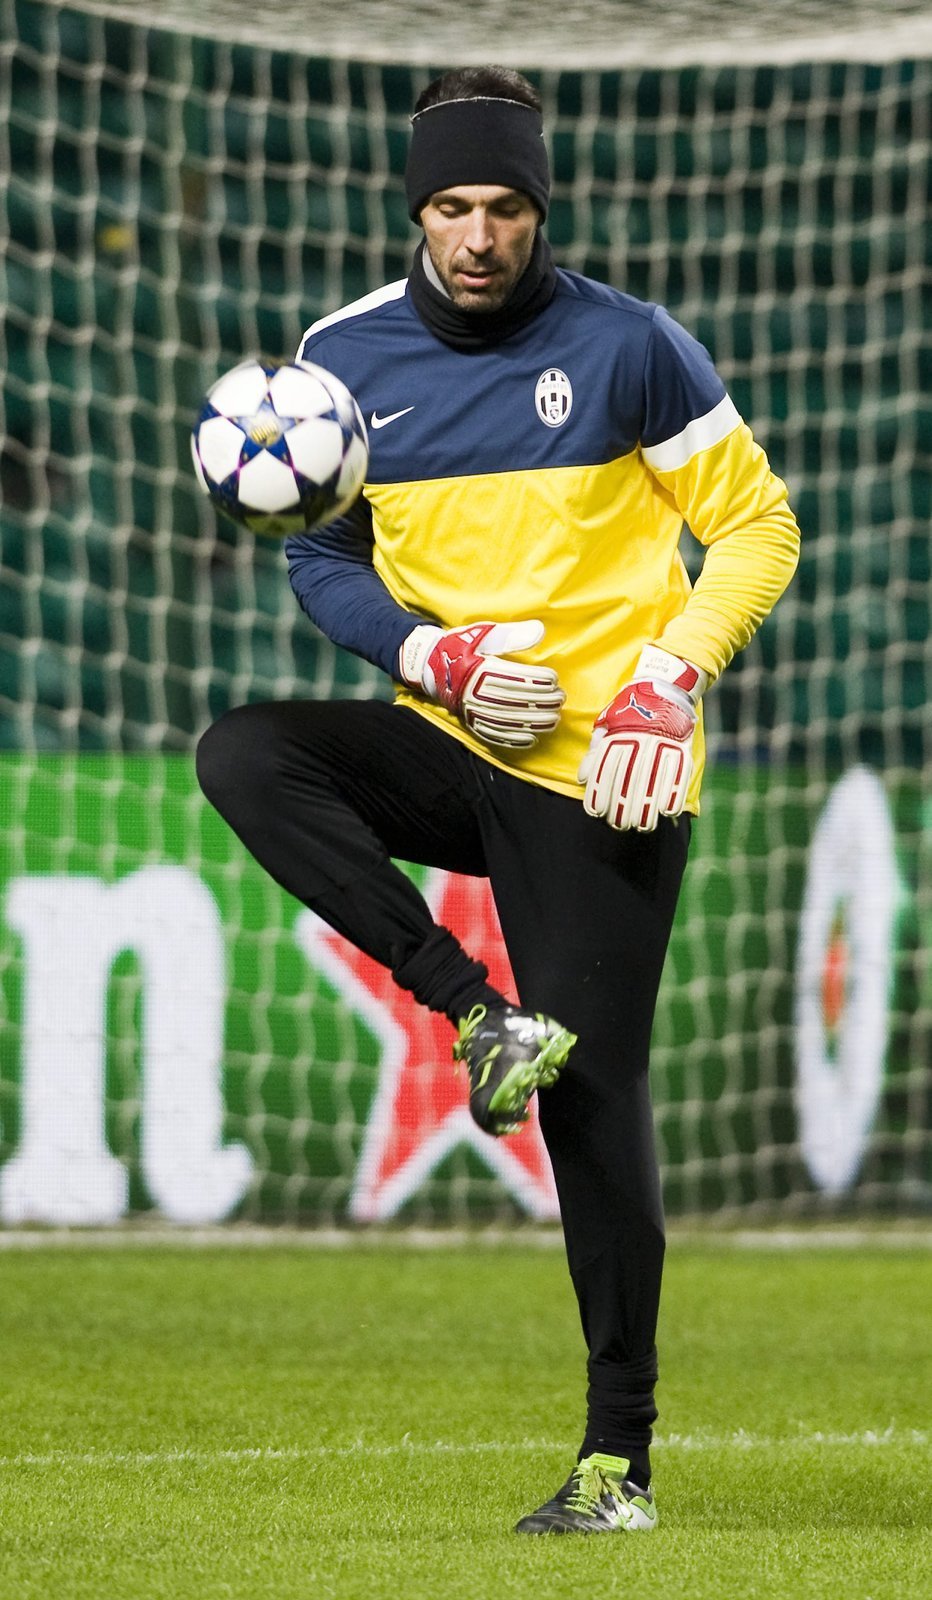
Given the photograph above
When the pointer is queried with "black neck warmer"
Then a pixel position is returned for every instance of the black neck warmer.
(476, 330)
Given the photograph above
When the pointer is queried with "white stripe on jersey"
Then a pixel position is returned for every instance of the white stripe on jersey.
(358, 308)
(700, 434)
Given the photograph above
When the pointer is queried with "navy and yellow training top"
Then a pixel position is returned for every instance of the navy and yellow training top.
(547, 476)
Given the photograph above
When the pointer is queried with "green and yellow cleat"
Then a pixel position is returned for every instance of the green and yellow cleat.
(508, 1054)
(597, 1497)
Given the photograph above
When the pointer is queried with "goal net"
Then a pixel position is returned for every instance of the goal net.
(177, 1035)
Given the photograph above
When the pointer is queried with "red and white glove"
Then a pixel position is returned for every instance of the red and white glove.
(639, 762)
(502, 702)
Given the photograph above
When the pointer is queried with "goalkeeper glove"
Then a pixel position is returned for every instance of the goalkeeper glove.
(639, 762)
(502, 702)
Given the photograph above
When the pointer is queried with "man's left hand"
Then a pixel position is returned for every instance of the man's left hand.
(639, 762)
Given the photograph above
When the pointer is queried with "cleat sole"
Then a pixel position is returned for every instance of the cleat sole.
(517, 1086)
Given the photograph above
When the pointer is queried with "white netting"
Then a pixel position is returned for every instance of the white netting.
(584, 34)
(177, 199)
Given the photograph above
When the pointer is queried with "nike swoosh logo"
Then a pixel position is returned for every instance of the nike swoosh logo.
(375, 421)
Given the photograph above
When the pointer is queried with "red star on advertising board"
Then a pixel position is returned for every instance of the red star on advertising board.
(420, 1112)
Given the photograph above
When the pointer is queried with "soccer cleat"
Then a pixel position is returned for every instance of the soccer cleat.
(597, 1497)
(508, 1054)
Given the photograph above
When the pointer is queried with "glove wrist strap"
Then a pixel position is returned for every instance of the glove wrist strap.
(413, 657)
(668, 672)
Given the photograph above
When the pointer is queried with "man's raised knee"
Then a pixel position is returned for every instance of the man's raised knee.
(232, 753)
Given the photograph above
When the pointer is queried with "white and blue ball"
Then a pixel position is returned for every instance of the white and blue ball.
(280, 448)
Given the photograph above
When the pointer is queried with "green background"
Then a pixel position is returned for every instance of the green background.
(300, 1069)
(204, 200)
(170, 204)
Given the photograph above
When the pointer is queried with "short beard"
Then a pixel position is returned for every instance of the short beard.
(480, 300)
(472, 299)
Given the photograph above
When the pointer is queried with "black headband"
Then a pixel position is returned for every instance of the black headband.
(486, 141)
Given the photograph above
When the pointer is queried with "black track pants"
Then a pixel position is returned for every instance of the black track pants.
(323, 795)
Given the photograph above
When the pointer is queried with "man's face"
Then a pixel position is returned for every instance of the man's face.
(480, 239)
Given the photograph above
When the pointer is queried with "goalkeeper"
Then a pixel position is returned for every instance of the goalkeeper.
(537, 442)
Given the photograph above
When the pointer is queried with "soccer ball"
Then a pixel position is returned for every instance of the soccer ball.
(280, 448)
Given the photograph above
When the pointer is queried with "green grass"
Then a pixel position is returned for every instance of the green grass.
(371, 1422)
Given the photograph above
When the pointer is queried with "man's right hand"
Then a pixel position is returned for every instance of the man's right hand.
(502, 702)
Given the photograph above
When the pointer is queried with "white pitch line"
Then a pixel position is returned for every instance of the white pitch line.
(869, 1439)
(239, 1236)
(841, 1238)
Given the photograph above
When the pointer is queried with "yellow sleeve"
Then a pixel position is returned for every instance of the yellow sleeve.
(737, 508)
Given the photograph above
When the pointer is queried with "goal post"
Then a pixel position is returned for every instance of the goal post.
(181, 194)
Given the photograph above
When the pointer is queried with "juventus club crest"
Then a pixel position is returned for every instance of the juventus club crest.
(553, 397)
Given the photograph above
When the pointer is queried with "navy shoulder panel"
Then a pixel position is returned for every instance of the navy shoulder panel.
(378, 302)
(680, 381)
(588, 292)
(594, 375)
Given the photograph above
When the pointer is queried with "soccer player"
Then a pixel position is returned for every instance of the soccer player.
(537, 442)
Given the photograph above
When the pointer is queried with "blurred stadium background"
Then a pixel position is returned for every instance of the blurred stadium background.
(175, 1037)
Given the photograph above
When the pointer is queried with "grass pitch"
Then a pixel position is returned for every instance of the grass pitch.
(296, 1422)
